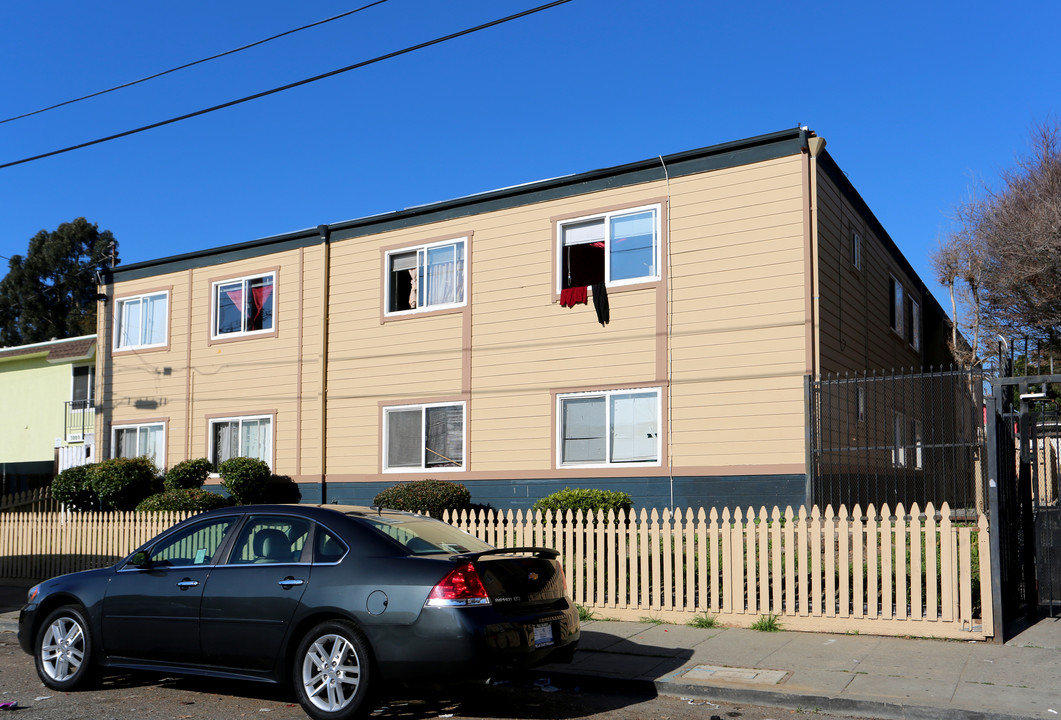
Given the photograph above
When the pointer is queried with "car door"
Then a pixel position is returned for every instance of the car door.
(250, 599)
(151, 610)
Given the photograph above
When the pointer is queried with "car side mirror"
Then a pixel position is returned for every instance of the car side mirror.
(140, 560)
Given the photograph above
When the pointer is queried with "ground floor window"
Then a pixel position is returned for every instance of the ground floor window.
(615, 427)
(148, 440)
(250, 436)
(421, 437)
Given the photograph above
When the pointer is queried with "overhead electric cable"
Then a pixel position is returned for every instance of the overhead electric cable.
(289, 86)
(191, 64)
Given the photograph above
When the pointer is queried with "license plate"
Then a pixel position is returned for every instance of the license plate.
(543, 635)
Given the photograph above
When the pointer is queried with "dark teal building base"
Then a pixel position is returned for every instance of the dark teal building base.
(733, 491)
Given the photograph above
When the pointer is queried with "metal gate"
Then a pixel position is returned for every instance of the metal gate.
(1024, 445)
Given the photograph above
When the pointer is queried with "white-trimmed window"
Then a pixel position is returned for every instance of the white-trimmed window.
(609, 428)
(426, 277)
(856, 251)
(147, 439)
(915, 325)
(243, 306)
(898, 309)
(141, 321)
(422, 437)
(616, 248)
(250, 436)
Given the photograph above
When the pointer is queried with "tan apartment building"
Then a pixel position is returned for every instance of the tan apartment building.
(647, 328)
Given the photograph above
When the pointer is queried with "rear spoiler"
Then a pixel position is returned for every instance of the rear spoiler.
(539, 551)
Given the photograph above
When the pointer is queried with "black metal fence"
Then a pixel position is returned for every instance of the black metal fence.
(901, 438)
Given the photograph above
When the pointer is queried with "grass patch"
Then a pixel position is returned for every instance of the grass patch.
(767, 623)
(650, 620)
(705, 621)
(584, 614)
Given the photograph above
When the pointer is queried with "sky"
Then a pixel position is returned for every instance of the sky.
(918, 103)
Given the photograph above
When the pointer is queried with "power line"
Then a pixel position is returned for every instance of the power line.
(191, 64)
(289, 86)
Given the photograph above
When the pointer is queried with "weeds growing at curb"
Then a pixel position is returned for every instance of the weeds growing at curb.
(705, 621)
(767, 623)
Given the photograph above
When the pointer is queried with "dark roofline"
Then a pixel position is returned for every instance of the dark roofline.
(689, 162)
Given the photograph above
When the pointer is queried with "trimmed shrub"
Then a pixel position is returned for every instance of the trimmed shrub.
(425, 496)
(586, 500)
(184, 499)
(188, 474)
(245, 479)
(71, 488)
(121, 483)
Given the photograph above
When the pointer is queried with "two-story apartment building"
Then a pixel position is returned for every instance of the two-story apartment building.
(647, 327)
(47, 391)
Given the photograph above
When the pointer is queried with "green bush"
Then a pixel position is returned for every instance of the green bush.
(425, 496)
(121, 483)
(71, 488)
(245, 479)
(186, 499)
(188, 474)
(586, 500)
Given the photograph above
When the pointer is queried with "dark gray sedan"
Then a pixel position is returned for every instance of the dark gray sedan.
(336, 600)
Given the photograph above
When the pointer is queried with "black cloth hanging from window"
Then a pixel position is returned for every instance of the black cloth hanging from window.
(600, 304)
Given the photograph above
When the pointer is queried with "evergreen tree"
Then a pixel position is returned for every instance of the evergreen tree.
(51, 291)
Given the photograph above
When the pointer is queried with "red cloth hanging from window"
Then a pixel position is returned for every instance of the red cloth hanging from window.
(569, 297)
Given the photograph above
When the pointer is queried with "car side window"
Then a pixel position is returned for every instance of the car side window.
(195, 545)
(270, 539)
(328, 548)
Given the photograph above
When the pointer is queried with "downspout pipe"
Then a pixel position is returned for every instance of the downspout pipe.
(326, 236)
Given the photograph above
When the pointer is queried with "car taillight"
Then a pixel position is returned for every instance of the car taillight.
(461, 587)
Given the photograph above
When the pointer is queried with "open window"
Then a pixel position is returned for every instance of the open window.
(426, 277)
(614, 248)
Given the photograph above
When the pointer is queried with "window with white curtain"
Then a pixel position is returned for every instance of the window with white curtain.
(250, 436)
(427, 277)
(243, 306)
(423, 437)
(141, 321)
(609, 428)
(615, 248)
(147, 440)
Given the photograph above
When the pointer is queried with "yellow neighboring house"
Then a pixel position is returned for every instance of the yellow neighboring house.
(47, 391)
(647, 327)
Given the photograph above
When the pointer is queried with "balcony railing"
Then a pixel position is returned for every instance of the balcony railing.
(80, 420)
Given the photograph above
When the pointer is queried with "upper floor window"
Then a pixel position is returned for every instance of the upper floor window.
(898, 306)
(616, 248)
(915, 325)
(618, 427)
(856, 251)
(423, 437)
(241, 437)
(243, 306)
(427, 277)
(141, 321)
(83, 390)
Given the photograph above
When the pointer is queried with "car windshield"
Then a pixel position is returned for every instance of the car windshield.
(423, 536)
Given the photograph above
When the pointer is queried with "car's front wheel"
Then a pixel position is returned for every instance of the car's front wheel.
(63, 651)
(333, 673)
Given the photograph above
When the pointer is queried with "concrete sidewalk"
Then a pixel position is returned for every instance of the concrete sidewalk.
(860, 675)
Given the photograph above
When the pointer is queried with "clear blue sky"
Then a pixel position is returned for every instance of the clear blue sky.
(916, 102)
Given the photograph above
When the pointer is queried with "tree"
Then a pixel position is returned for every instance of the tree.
(1003, 262)
(51, 292)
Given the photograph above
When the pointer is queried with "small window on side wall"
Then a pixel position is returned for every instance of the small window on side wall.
(244, 306)
(426, 277)
(856, 251)
(898, 306)
(617, 248)
(423, 437)
(141, 321)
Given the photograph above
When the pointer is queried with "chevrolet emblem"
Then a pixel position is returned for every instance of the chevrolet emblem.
(532, 576)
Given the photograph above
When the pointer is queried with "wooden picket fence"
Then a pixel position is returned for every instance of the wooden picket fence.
(39, 500)
(882, 573)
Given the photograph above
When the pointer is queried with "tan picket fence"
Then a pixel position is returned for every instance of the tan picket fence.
(883, 573)
(886, 573)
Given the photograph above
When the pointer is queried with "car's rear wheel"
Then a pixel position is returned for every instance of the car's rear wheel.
(333, 673)
(63, 651)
